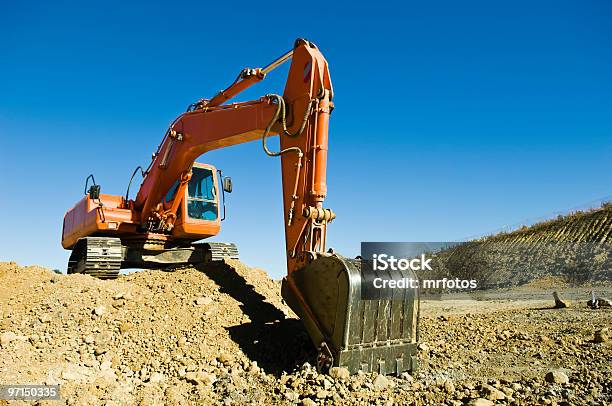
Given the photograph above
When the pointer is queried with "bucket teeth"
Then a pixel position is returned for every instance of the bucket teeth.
(371, 335)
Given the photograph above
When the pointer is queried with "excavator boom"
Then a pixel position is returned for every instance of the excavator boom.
(323, 288)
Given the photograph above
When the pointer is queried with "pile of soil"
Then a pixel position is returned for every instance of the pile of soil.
(221, 334)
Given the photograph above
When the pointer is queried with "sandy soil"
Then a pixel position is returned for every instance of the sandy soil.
(222, 335)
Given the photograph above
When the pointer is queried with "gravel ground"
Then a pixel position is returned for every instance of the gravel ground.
(222, 335)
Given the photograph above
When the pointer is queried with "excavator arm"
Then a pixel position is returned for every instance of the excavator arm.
(300, 116)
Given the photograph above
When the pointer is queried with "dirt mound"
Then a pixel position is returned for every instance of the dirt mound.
(222, 335)
(146, 326)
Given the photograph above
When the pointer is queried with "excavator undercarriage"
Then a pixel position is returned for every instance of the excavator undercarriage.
(104, 257)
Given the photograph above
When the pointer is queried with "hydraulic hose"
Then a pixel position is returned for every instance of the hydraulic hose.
(281, 113)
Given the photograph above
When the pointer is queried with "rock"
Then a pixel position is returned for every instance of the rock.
(559, 304)
(480, 402)
(423, 347)
(449, 387)
(191, 377)
(355, 384)
(308, 402)
(601, 336)
(119, 303)
(225, 358)
(44, 318)
(493, 393)
(340, 373)
(157, 377)
(381, 382)
(108, 375)
(201, 377)
(556, 377)
(597, 302)
(34, 339)
(124, 327)
(292, 396)
(406, 376)
(7, 337)
(99, 311)
(73, 372)
(604, 302)
(123, 295)
(203, 301)
(297, 382)
(89, 339)
(322, 394)
(253, 368)
(100, 349)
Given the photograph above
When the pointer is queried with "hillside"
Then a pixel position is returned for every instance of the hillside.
(573, 249)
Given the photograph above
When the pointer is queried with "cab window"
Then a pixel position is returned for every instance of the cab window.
(202, 196)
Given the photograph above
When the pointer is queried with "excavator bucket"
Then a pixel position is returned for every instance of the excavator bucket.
(370, 335)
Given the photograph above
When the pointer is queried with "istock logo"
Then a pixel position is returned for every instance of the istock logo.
(384, 262)
(396, 270)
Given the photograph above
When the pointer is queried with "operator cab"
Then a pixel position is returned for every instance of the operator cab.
(203, 197)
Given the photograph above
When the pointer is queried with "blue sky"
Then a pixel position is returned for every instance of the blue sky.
(452, 119)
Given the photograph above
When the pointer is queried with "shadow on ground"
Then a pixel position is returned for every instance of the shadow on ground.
(278, 344)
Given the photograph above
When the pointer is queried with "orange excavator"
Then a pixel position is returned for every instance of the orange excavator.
(181, 201)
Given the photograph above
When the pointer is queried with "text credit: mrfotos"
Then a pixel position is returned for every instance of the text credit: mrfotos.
(397, 270)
